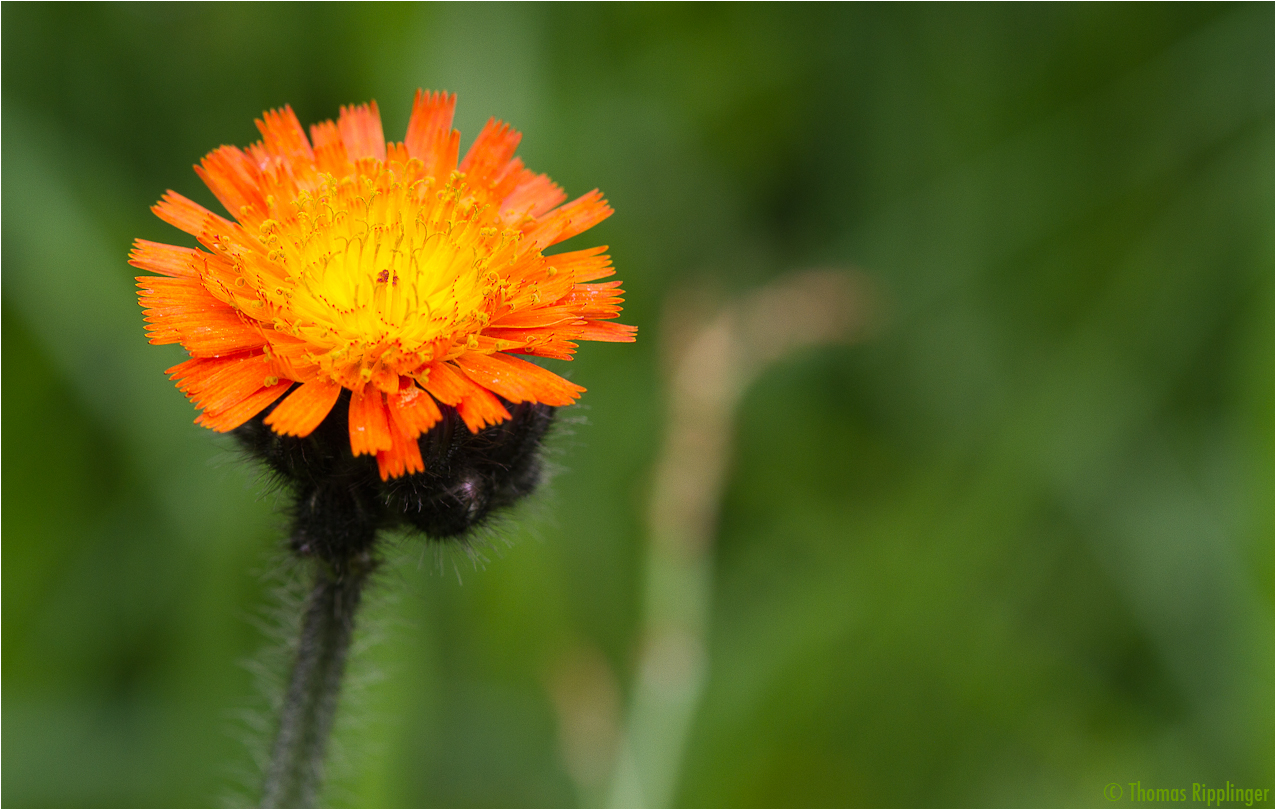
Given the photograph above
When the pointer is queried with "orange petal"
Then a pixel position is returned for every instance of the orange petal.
(293, 357)
(167, 295)
(595, 301)
(403, 458)
(209, 333)
(493, 149)
(477, 406)
(609, 332)
(487, 345)
(234, 382)
(584, 265)
(508, 177)
(602, 289)
(186, 215)
(176, 296)
(246, 409)
(548, 351)
(396, 153)
(448, 385)
(414, 409)
(404, 455)
(549, 341)
(234, 181)
(168, 260)
(283, 136)
(481, 409)
(194, 374)
(552, 286)
(518, 380)
(361, 131)
(529, 318)
(181, 310)
(369, 422)
(330, 149)
(191, 372)
(535, 195)
(430, 137)
(304, 408)
(566, 221)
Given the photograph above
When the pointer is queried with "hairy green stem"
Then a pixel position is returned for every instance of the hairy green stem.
(297, 759)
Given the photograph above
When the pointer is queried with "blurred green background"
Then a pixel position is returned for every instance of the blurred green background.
(1014, 547)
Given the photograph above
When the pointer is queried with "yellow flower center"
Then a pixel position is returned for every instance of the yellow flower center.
(383, 274)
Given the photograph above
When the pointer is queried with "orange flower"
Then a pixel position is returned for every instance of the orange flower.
(381, 268)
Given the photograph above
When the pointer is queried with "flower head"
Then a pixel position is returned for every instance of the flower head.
(384, 269)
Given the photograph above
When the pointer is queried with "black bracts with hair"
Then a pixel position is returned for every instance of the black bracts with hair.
(341, 502)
